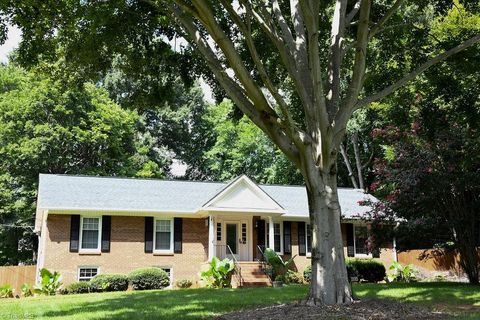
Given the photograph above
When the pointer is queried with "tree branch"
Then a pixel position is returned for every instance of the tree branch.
(353, 12)
(263, 121)
(361, 42)
(377, 27)
(348, 165)
(410, 76)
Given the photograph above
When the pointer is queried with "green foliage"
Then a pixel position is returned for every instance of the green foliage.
(369, 270)
(402, 273)
(351, 272)
(307, 274)
(280, 277)
(185, 283)
(50, 282)
(6, 291)
(240, 147)
(275, 260)
(148, 279)
(49, 125)
(219, 273)
(78, 287)
(109, 282)
(292, 277)
(26, 290)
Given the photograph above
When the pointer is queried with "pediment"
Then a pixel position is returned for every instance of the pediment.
(243, 195)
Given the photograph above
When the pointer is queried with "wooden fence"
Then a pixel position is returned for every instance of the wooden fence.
(431, 260)
(16, 276)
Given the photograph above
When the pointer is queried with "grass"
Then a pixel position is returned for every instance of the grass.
(199, 303)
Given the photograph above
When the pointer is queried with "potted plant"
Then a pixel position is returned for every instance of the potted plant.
(278, 282)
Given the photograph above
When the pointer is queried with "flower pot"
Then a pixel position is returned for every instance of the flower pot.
(277, 284)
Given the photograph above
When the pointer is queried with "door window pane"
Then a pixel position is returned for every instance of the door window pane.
(232, 237)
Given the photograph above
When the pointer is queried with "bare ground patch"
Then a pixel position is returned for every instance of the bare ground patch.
(371, 309)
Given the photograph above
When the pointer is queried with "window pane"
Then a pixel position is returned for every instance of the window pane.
(276, 237)
(85, 274)
(163, 234)
(90, 233)
(309, 239)
(361, 237)
(232, 237)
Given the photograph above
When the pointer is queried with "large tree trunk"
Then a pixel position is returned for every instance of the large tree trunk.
(329, 284)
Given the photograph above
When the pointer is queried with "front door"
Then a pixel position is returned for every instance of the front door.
(236, 239)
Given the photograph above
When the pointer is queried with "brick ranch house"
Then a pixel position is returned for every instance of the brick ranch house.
(90, 225)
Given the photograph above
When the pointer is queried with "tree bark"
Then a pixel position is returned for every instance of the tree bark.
(329, 274)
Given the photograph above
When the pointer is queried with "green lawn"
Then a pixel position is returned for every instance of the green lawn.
(197, 303)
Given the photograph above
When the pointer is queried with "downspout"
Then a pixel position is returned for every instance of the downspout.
(42, 239)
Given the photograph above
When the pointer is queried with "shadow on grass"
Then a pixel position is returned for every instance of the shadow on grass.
(174, 304)
(424, 293)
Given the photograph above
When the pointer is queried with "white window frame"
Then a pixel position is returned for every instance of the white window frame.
(170, 274)
(99, 244)
(308, 253)
(162, 251)
(281, 235)
(359, 255)
(86, 267)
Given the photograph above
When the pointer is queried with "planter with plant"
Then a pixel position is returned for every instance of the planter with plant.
(279, 267)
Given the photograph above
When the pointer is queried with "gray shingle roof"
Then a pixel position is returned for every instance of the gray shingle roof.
(149, 195)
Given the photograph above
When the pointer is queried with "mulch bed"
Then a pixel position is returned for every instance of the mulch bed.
(360, 310)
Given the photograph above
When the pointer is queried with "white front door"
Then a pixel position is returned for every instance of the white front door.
(236, 238)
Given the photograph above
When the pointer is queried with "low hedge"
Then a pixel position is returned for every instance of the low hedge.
(77, 287)
(369, 270)
(149, 278)
(109, 282)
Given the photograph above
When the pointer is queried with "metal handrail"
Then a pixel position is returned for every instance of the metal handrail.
(264, 262)
(237, 268)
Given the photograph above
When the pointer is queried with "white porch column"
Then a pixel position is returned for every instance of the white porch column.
(211, 237)
(271, 235)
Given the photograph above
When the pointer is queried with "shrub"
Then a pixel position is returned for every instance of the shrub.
(307, 274)
(6, 291)
(109, 282)
(293, 277)
(402, 273)
(26, 290)
(351, 271)
(49, 282)
(77, 287)
(184, 283)
(280, 277)
(148, 278)
(219, 273)
(369, 270)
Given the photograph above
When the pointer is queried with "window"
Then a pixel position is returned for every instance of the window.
(277, 236)
(308, 238)
(163, 236)
(169, 271)
(87, 273)
(219, 231)
(90, 232)
(244, 233)
(360, 234)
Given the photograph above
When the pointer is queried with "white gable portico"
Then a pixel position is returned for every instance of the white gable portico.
(231, 213)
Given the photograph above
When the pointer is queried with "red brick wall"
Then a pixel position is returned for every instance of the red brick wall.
(127, 249)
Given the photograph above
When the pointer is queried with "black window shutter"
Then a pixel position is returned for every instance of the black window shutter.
(350, 235)
(302, 249)
(287, 237)
(148, 234)
(74, 232)
(261, 234)
(177, 235)
(106, 231)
